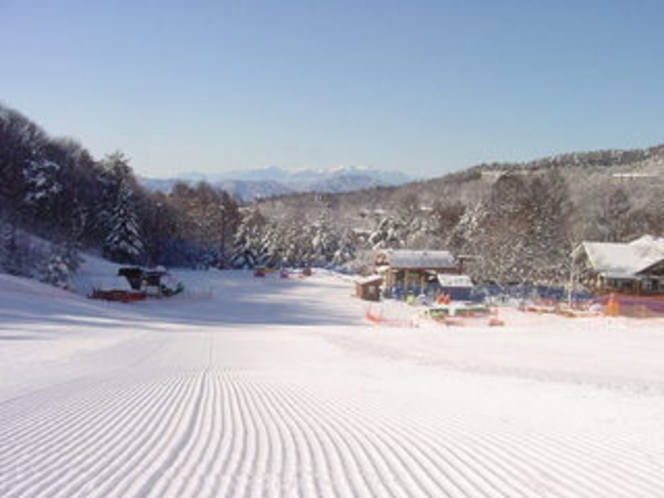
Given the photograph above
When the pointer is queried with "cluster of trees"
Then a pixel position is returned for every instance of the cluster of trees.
(517, 226)
(291, 242)
(56, 199)
(518, 223)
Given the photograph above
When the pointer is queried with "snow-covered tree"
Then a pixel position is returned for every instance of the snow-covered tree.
(123, 242)
(613, 219)
(522, 237)
(62, 263)
(345, 250)
(547, 239)
(10, 254)
(295, 242)
(41, 181)
(248, 243)
(387, 234)
(18, 256)
(412, 223)
(244, 256)
(460, 237)
(21, 145)
(324, 241)
(271, 246)
(114, 175)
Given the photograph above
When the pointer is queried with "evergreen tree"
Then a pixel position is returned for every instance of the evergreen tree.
(17, 255)
(63, 262)
(124, 243)
(248, 241)
(271, 247)
(324, 241)
(114, 175)
(243, 249)
(345, 251)
(21, 145)
(42, 182)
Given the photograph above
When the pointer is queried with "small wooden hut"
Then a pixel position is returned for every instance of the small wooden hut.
(368, 288)
(409, 272)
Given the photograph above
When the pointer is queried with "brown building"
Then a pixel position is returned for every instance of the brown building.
(413, 272)
(369, 288)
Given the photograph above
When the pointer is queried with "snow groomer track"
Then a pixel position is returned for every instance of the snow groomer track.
(278, 388)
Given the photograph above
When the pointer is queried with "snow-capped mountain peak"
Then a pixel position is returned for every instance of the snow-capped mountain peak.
(274, 180)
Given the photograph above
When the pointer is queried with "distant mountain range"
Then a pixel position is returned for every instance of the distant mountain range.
(254, 184)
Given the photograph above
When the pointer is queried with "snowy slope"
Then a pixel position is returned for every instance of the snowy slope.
(271, 387)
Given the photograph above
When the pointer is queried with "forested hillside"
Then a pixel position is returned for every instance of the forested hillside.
(56, 199)
(514, 222)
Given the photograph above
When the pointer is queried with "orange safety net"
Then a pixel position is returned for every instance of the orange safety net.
(632, 306)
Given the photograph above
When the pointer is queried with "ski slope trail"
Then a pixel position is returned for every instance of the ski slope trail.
(278, 388)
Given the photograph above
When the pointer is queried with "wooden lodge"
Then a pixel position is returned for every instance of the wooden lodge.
(635, 268)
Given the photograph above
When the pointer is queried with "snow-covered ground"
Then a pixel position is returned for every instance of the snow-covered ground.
(270, 387)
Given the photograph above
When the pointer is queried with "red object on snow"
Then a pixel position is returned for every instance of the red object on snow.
(122, 296)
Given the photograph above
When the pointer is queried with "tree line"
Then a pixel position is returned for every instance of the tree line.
(56, 200)
(518, 225)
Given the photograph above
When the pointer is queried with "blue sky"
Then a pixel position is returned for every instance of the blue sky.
(425, 87)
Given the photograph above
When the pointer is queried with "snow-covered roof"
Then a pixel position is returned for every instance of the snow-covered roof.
(616, 260)
(454, 280)
(401, 258)
(369, 280)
